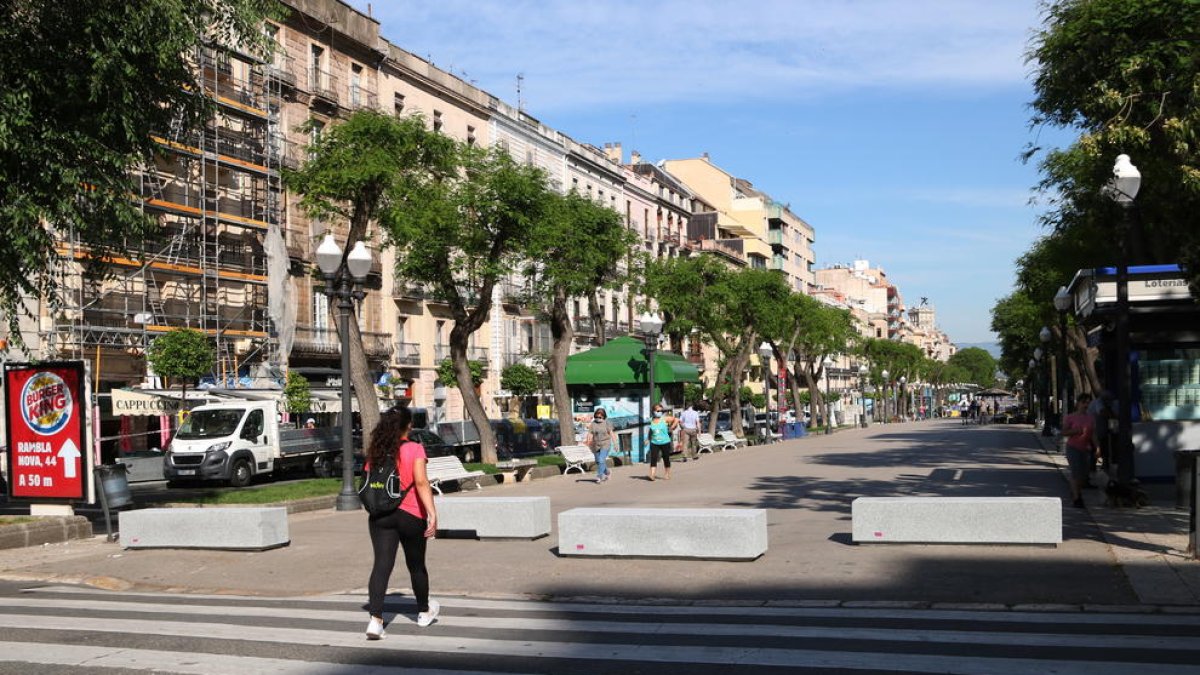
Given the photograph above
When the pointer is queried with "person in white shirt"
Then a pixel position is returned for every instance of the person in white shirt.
(689, 423)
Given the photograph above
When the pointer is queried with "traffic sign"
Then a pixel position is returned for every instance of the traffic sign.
(46, 418)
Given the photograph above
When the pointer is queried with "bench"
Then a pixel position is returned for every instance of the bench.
(730, 437)
(515, 470)
(957, 520)
(577, 457)
(495, 517)
(449, 469)
(711, 534)
(707, 444)
(231, 528)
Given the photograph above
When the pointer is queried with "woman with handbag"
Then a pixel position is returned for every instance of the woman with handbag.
(411, 525)
(600, 438)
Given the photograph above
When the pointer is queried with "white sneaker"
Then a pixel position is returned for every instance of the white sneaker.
(375, 629)
(426, 618)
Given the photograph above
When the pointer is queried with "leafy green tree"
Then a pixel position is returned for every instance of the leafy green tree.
(693, 394)
(520, 379)
(979, 365)
(363, 173)
(1123, 73)
(578, 248)
(447, 372)
(182, 354)
(297, 395)
(814, 330)
(83, 88)
(461, 233)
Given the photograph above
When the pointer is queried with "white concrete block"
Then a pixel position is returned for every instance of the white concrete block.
(724, 534)
(220, 527)
(509, 517)
(957, 520)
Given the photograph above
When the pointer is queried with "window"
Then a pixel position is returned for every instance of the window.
(320, 309)
(253, 428)
(470, 135)
(356, 95)
(437, 120)
(397, 104)
(315, 67)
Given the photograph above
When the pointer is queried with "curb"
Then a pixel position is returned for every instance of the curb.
(47, 530)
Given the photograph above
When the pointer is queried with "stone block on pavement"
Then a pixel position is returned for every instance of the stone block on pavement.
(495, 517)
(234, 528)
(717, 534)
(957, 520)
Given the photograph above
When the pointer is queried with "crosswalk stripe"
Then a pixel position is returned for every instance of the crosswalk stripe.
(451, 621)
(430, 641)
(192, 663)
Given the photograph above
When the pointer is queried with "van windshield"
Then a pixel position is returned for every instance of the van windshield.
(210, 423)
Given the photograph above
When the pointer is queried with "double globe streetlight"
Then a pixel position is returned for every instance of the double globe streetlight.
(862, 397)
(651, 326)
(1047, 428)
(344, 277)
(1123, 188)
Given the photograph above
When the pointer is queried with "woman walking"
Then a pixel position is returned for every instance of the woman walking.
(659, 438)
(600, 438)
(410, 525)
(1081, 448)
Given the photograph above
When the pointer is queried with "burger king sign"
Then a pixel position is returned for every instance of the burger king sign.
(44, 412)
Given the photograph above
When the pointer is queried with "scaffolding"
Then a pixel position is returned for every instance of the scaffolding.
(214, 194)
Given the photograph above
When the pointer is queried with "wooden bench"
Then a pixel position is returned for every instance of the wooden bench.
(730, 437)
(707, 444)
(449, 468)
(577, 457)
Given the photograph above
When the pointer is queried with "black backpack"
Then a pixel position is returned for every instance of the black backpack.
(381, 492)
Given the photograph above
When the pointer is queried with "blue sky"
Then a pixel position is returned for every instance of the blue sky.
(893, 127)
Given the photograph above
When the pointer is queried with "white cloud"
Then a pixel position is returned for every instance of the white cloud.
(584, 54)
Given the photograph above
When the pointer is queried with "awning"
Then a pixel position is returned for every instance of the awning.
(134, 403)
(622, 361)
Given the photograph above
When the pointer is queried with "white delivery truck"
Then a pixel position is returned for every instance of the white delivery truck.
(238, 440)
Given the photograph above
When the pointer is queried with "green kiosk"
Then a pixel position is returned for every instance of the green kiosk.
(613, 377)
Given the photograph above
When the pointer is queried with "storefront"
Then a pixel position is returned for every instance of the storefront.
(614, 377)
(1164, 327)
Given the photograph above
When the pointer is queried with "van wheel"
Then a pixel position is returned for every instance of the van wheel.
(241, 474)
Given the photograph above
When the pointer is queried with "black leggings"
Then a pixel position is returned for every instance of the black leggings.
(665, 450)
(399, 528)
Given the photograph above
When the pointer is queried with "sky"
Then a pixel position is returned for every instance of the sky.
(893, 127)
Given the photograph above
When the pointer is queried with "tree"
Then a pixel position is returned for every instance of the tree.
(183, 354)
(447, 372)
(362, 172)
(814, 331)
(978, 364)
(297, 395)
(1124, 73)
(83, 88)
(577, 249)
(460, 233)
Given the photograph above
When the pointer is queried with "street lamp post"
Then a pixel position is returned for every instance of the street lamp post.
(1123, 188)
(651, 327)
(826, 365)
(1047, 428)
(1062, 303)
(862, 397)
(1032, 385)
(903, 410)
(1044, 402)
(343, 281)
(764, 353)
(884, 377)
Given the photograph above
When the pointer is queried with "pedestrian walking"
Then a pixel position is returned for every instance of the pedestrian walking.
(659, 438)
(600, 437)
(410, 526)
(689, 426)
(1078, 429)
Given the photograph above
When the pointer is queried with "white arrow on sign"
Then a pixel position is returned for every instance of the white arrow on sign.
(69, 453)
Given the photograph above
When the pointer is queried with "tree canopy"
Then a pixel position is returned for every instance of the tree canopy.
(978, 364)
(83, 88)
(183, 354)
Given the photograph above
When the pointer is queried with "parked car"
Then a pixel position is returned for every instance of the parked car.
(435, 446)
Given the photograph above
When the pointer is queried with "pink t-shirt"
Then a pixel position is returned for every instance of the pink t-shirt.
(406, 457)
(1079, 422)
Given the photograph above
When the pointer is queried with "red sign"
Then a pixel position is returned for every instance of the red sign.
(45, 409)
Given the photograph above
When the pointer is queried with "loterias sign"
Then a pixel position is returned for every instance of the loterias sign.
(46, 414)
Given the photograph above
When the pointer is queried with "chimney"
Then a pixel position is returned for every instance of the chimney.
(613, 152)
(635, 157)
(704, 155)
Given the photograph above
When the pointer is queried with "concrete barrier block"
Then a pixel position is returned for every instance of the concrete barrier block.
(718, 534)
(957, 520)
(220, 528)
(488, 517)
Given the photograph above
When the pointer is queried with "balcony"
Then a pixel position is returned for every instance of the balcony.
(283, 71)
(316, 341)
(323, 86)
(614, 329)
(727, 248)
(583, 325)
(362, 97)
(408, 354)
(514, 357)
(515, 294)
(442, 352)
(408, 290)
(775, 237)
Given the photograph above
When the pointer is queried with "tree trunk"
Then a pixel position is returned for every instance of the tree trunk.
(597, 318)
(722, 373)
(459, 337)
(364, 386)
(1088, 361)
(563, 332)
(815, 400)
(741, 359)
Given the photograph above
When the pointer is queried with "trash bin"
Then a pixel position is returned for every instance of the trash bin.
(625, 446)
(114, 484)
(1185, 472)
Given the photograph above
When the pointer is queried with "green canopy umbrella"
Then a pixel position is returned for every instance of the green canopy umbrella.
(623, 362)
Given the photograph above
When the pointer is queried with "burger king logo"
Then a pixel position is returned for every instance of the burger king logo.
(46, 403)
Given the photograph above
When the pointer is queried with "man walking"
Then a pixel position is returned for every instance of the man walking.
(689, 422)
